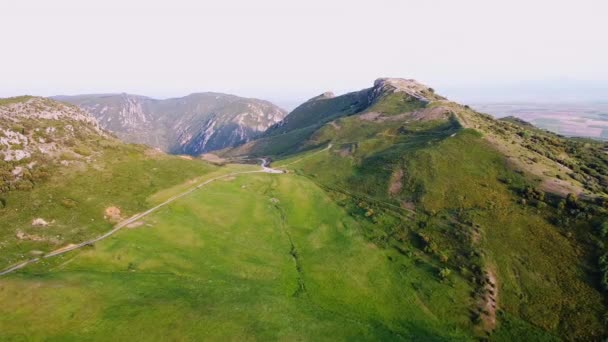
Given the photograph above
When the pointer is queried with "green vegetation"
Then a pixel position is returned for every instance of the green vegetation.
(396, 104)
(261, 257)
(73, 199)
(478, 215)
(16, 99)
(440, 224)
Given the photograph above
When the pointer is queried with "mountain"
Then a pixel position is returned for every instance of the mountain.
(192, 124)
(388, 96)
(518, 213)
(401, 215)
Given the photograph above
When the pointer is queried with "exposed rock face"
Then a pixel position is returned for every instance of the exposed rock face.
(409, 86)
(26, 129)
(193, 124)
(36, 132)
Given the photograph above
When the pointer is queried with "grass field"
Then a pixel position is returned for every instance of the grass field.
(381, 230)
(73, 199)
(254, 257)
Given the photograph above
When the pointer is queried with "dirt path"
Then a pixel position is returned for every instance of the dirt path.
(122, 224)
(308, 156)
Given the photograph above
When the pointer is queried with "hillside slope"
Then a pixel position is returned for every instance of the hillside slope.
(192, 124)
(493, 202)
(403, 216)
(64, 180)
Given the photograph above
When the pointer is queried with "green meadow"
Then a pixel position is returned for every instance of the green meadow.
(73, 199)
(251, 257)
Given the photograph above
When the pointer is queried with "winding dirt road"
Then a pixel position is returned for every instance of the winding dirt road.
(265, 169)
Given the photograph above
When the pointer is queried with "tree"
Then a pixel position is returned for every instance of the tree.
(444, 273)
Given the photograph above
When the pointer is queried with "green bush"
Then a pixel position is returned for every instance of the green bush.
(444, 273)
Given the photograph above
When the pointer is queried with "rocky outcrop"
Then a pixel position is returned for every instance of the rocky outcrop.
(31, 125)
(418, 91)
(36, 133)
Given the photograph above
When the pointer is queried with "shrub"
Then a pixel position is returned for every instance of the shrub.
(24, 185)
(444, 273)
(603, 228)
(572, 201)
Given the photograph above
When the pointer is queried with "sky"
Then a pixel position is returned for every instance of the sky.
(287, 50)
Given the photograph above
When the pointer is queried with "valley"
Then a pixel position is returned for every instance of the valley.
(389, 213)
(192, 124)
(259, 256)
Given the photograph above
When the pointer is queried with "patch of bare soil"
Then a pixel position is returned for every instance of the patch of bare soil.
(345, 152)
(370, 116)
(135, 224)
(426, 114)
(559, 186)
(213, 158)
(430, 114)
(39, 222)
(488, 301)
(513, 152)
(153, 152)
(335, 125)
(396, 183)
(112, 214)
(185, 157)
(68, 246)
(21, 235)
(408, 205)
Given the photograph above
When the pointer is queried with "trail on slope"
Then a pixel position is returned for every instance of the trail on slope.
(308, 156)
(124, 223)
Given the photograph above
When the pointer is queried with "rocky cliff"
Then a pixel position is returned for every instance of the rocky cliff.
(193, 124)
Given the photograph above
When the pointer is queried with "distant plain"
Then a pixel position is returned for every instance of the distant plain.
(573, 119)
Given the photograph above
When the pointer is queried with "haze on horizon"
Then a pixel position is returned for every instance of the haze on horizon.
(285, 51)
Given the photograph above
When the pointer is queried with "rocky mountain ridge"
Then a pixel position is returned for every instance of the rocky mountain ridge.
(37, 133)
(192, 124)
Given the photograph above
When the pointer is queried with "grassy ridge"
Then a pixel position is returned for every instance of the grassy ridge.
(471, 215)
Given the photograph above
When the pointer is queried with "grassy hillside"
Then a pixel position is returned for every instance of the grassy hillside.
(74, 200)
(289, 135)
(408, 217)
(260, 257)
(475, 216)
(62, 180)
(497, 202)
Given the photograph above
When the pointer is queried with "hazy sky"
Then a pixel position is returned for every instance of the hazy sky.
(284, 50)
